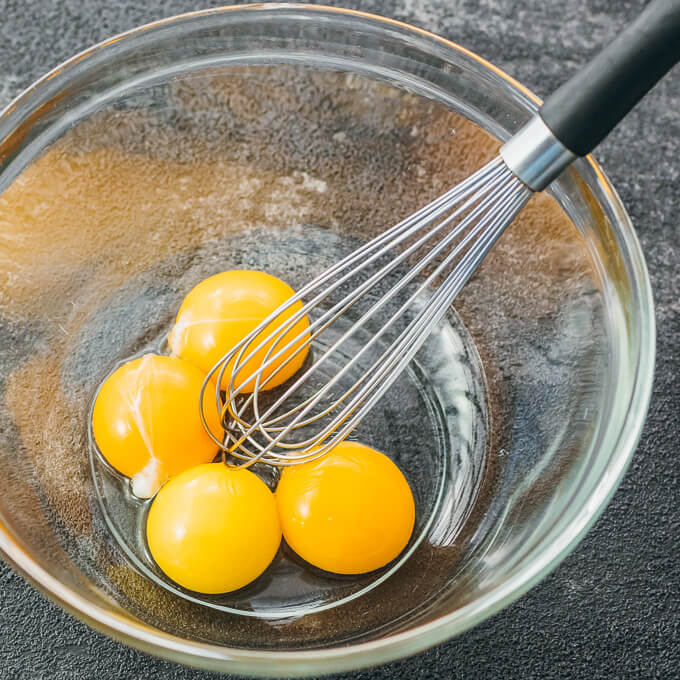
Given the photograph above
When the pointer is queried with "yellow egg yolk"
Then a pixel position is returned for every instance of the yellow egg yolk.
(349, 512)
(146, 420)
(220, 311)
(213, 529)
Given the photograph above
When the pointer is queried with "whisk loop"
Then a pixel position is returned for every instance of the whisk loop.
(419, 266)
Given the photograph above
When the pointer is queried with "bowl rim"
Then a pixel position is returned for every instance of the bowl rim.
(423, 636)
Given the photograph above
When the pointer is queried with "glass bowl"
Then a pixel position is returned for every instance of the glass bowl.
(277, 136)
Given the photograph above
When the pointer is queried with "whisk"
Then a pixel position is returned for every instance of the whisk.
(371, 312)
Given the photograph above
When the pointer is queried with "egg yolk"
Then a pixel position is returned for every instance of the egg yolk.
(349, 512)
(213, 529)
(146, 420)
(221, 310)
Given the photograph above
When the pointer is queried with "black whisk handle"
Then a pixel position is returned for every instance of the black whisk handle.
(589, 105)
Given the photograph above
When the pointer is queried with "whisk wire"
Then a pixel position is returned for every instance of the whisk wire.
(433, 210)
(479, 209)
(469, 218)
(399, 354)
(357, 294)
(400, 231)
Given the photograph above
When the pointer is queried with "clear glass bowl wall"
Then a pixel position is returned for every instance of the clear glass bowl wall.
(136, 155)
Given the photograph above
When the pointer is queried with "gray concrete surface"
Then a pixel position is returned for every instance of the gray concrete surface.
(611, 610)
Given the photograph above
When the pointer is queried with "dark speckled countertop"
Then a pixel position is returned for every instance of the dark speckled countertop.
(612, 609)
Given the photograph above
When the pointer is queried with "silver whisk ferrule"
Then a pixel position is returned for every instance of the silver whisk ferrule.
(368, 316)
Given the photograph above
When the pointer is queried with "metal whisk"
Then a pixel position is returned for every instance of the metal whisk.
(371, 312)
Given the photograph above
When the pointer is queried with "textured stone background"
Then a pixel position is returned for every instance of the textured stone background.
(612, 609)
